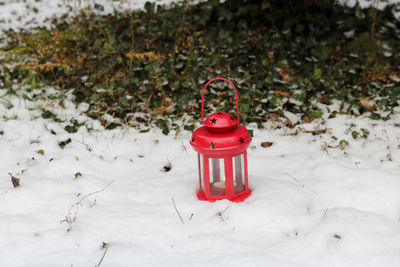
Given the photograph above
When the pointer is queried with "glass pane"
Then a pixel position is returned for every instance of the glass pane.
(217, 176)
(238, 170)
(200, 161)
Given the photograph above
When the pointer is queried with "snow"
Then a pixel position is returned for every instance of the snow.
(309, 207)
(313, 204)
(18, 14)
(380, 4)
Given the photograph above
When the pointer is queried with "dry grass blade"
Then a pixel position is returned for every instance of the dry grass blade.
(104, 245)
(180, 217)
(300, 183)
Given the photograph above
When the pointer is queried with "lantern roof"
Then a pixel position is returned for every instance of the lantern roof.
(220, 122)
(234, 140)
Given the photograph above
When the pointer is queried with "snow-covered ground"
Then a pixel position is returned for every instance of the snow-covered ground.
(313, 204)
(18, 14)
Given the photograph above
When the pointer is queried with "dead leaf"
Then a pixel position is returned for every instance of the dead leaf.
(167, 107)
(323, 99)
(367, 104)
(285, 77)
(317, 131)
(266, 144)
(394, 76)
(62, 144)
(288, 124)
(167, 167)
(282, 93)
(332, 115)
(209, 69)
(307, 119)
(14, 180)
(104, 245)
(273, 117)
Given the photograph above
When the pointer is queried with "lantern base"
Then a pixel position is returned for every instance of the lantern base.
(239, 198)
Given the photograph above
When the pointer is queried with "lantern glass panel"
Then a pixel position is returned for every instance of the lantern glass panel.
(200, 161)
(238, 171)
(217, 176)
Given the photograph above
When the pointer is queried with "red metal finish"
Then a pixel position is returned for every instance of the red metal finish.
(220, 122)
(218, 141)
(233, 143)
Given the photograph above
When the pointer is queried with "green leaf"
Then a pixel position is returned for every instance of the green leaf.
(98, 7)
(174, 85)
(316, 113)
(317, 73)
(343, 143)
(375, 116)
(365, 132)
(354, 134)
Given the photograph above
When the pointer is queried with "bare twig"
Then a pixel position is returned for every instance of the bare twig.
(300, 183)
(219, 213)
(374, 21)
(180, 217)
(71, 216)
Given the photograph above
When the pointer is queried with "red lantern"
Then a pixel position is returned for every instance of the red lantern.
(222, 155)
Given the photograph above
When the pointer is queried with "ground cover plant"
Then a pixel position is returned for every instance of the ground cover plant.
(296, 56)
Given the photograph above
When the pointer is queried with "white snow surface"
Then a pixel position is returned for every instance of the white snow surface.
(310, 206)
(23, 14)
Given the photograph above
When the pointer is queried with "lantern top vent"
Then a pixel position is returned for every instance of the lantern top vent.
(220, 122)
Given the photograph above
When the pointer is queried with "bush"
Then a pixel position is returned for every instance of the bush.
(293, 56)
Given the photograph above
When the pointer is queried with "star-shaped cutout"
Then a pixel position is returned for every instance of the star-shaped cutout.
(192, 139)
(219, 113)
(212, 145)
(213, 120)
(241, 140)
(232, 118)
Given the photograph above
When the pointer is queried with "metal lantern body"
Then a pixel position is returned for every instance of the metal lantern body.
(222, 155)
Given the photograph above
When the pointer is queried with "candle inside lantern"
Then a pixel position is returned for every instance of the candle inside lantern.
(221, 184)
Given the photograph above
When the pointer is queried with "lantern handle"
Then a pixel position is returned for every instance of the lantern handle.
(202, 97)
